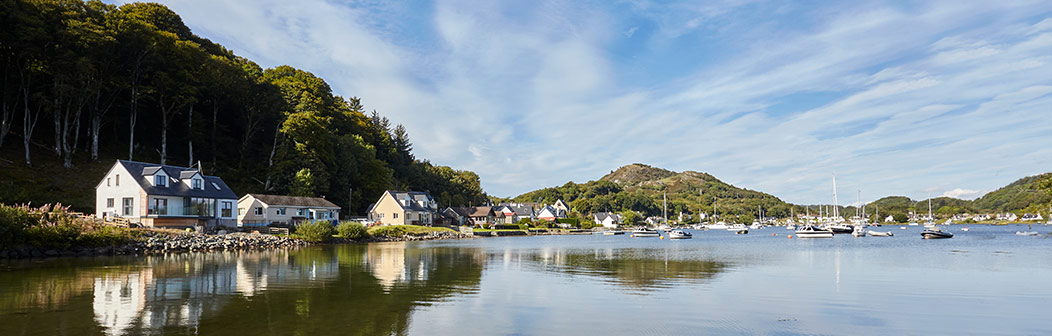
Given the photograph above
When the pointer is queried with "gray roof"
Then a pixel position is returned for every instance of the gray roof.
(601, 216)
(187, 173)
(299, 201)
(417, 196)
(139, 171)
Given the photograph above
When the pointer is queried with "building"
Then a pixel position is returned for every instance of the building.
(155, 195)
(550, 213)
(561, 206)
(513, 213)
(459, 215)
(404, 208)
(278, 210)
(607, 219)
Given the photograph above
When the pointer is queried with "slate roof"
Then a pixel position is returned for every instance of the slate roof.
(139, 171)
(296, 201)
(602, 216)
(481, 211)
(461, 211)
(187, 174)
(416, 196)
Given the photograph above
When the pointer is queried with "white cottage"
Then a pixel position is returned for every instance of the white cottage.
(155, 195)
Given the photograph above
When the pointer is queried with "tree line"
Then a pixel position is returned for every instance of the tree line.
(133, 82)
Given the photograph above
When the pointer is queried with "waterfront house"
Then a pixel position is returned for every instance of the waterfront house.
(404, 207)
(459, 215)
(482, 215)
(1032, 217)
(155, 195)
(607, 219)
(550, 213)
(1011, 217)
(981, 217)
(278, 210)
(561, 206)
(513, 213)
(889, 219)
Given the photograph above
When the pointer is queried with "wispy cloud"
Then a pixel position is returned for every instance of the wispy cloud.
(949, 97)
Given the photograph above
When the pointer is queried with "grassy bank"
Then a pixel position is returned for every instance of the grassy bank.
(54, 227)
(406, 230)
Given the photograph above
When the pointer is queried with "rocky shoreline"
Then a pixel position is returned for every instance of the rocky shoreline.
(162, 242)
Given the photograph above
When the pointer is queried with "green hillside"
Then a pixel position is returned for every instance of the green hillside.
(639, 187)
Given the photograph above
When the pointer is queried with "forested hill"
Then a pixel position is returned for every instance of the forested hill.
(639, 187)
(1026, 195)
(86, 83)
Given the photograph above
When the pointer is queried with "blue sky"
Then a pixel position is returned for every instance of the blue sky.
(895, 98)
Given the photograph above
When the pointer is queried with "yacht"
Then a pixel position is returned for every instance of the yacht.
(810, 231)
(1029, 231)
(717, 226)
(859, 231)
(737, 227)
(645, 232)
(679, 234)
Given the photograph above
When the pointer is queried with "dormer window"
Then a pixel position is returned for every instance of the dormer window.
(197, 184)
(160, 181)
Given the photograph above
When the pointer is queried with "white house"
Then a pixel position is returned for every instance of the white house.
(550, 213)
(264, 210)
(607, 219)
(889, 219)
(156, 195)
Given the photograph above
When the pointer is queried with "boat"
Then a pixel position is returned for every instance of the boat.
(902, 227)
(881, 234)
(935, 233)
(810, 231)
(717, 226)
(840, 228)
(613, 233)
(737, 227)
(913, 223)
(859, 232)
(645, 232)
(965, 229)
(679, 234)
(1029, 231)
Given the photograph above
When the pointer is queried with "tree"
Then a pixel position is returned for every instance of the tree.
(631, 218)
(303, 183)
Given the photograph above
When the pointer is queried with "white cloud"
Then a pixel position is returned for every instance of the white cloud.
(533, 96)
(965, 194)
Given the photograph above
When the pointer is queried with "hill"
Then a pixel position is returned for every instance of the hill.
(639, 187)
(1024, 194)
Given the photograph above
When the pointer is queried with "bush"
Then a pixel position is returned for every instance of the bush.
(352, 230)
(53, 227)
(526, 221)
(317, 231)
(390, 231)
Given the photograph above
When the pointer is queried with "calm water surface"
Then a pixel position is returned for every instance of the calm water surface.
(985, 281)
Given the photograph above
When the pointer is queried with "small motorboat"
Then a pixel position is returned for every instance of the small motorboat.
(858, 232)
(810, 231)
(881, 234)
(613, 233)
(679, 234)
(902, 227)
(742, 231)
(935, 233)
(965, 229)
(1026, 233)
(841, 228)
(645, 232)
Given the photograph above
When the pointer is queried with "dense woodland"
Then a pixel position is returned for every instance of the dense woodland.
(90, 82)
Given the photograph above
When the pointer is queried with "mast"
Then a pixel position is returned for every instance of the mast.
(931, 219)
(836, 205)
(664, 207)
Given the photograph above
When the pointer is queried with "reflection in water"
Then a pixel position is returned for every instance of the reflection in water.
(637, 269)
(344, 290)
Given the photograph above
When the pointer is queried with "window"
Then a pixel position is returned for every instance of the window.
(159, 206)
(197, 184)
(280, 211)
(259, 211)
(201, 207)
(118, 180)
(127, 203)
(301, 212)
(380, 215)
(240, 211)
(394, 215)
(160, 180)
(107, 181)
(228, 208)
(109, 202)
(216, 186)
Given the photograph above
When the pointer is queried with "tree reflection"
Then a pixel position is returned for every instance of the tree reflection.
(635, 269)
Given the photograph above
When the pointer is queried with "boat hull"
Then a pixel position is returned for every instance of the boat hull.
(814, 234)
(928, 234)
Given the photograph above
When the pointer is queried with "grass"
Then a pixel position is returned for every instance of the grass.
(500, 230)
(47, 181)
(404, 230)
(54, 227)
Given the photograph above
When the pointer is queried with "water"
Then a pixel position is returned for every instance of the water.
(985, 281)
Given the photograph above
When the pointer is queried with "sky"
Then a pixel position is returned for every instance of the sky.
(904, 98)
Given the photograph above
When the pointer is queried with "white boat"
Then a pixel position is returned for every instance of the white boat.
(902, 227)
(717, 226)
(613, 233)
(965, 229)
(679, 234)
(858, 231)
(790, 227)
(645, 232)
(737, 227)
(810, 231)
(881, 234)
(1029, 232)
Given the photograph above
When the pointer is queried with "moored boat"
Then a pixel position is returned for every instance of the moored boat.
(810, 231)
(881, 234)
(859, 231)
(935, 233)
(645, 232)
(613, 233)
(679, 234)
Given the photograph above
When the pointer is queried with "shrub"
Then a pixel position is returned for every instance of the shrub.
(526, 221)
(315, 231)
(390, 231)
(352, 230)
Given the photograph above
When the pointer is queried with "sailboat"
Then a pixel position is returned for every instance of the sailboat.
(933, 232)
